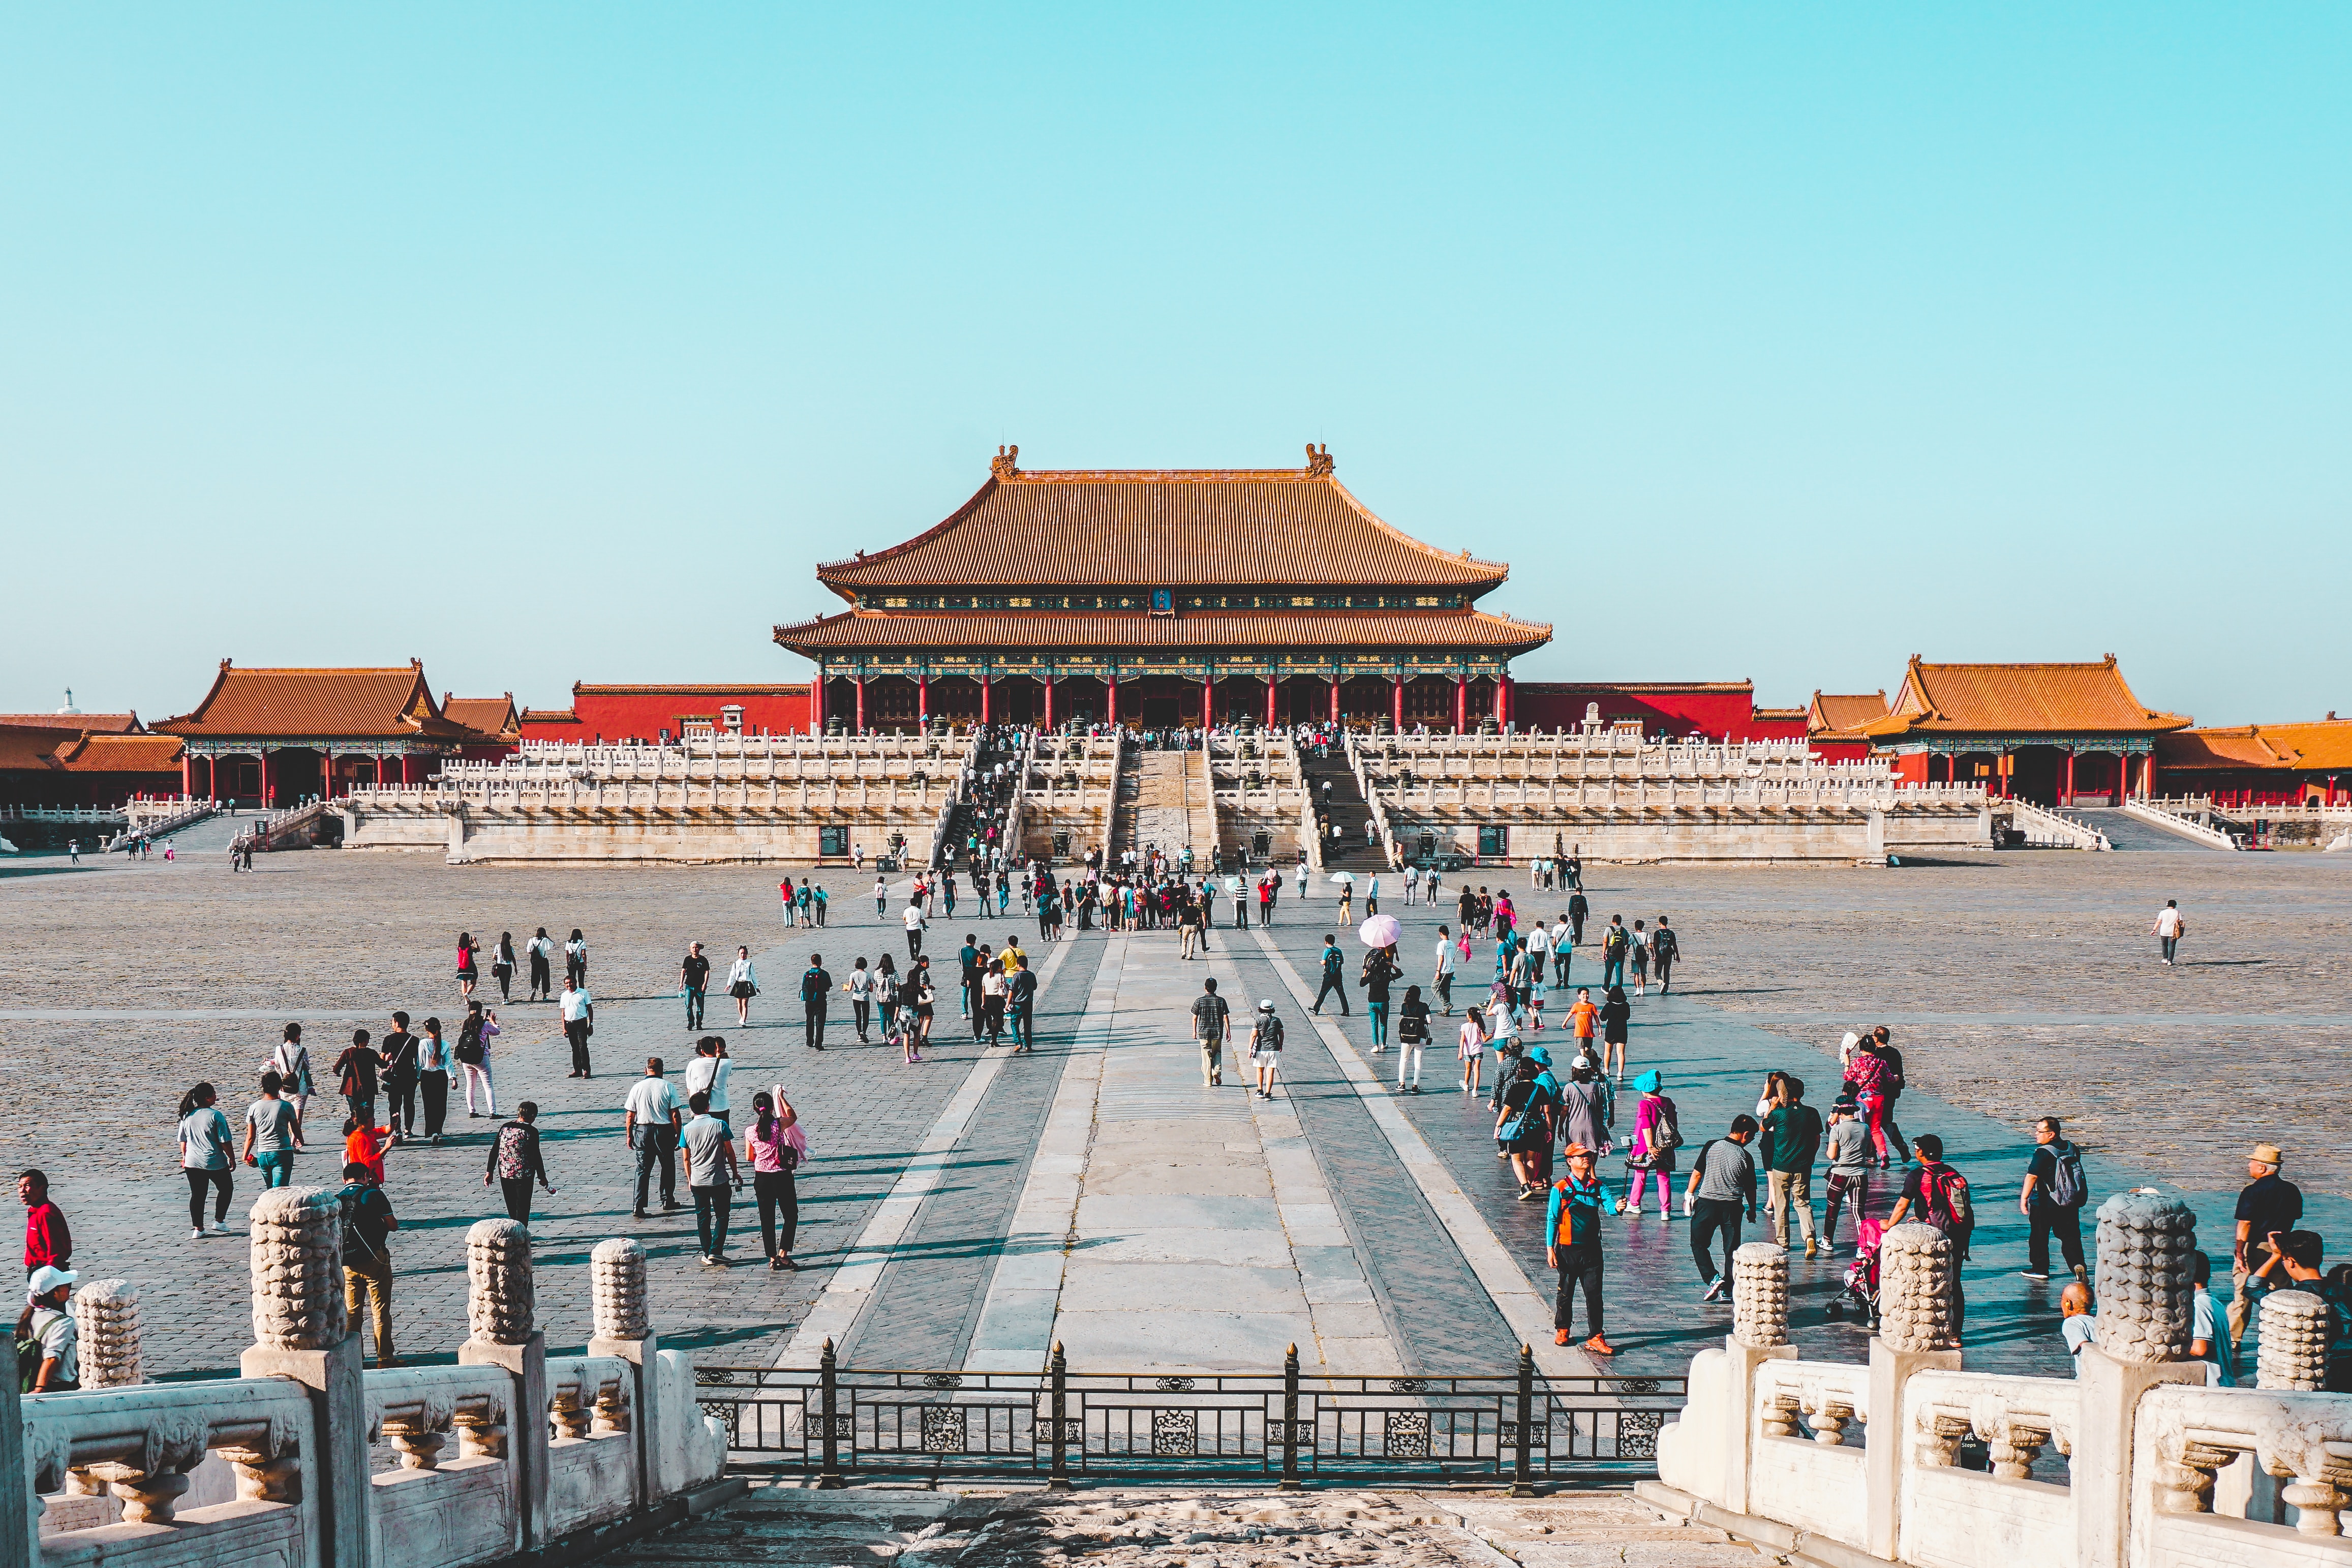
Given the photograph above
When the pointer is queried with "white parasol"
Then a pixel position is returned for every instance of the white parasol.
(1380, 931)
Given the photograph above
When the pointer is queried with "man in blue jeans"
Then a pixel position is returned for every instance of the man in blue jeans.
(694, 979)
(1615, 943)
(272, 1132)
(1020, 1004)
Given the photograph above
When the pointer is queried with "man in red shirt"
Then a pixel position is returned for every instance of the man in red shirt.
(47, 1243)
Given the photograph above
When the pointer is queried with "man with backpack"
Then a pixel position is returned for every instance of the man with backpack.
(1665, 948)
(2052, 1199)
(368, 1222)
(1572, 1247)
(816, 990)
(1616, 946)
(1335, 969)
(1935, 1194)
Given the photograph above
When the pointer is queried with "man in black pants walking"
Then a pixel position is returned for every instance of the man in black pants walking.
(1335, 981)
(694, 979)
(2054, 1193)
(1665, 948)
(816, 989)
(1572, 1229)
(1722, 1181)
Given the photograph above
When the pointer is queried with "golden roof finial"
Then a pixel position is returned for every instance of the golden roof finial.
(1004, 465)
(1318, 460)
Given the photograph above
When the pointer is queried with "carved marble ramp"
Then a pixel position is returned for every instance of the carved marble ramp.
(1209, 1527)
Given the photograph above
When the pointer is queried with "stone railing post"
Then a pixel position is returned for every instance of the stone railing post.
(1759, 1332)
(501, 1309)
(616, 1278)
(2145, 1298)
(299, 1332)
(1914, 1336)
(106, 1316)
(2294, 1350)
(20, 1510)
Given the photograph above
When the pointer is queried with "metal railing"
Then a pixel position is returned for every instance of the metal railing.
(834, 1423)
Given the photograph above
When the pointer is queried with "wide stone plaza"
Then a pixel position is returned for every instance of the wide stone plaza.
(969, 1211)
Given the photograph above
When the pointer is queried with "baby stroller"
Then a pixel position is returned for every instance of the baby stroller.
(1858, 1297)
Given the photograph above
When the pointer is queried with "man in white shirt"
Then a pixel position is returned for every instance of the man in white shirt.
(707, 1074)
(1444, 979)
(578, 1010)
(2168, 927)
(914, 922)
(650, 1119)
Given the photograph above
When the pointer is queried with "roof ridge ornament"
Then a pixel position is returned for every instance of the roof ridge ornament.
(1319, 461)
(1005, 465)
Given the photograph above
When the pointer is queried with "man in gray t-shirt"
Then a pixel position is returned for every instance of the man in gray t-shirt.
(1212, 1025)
(1722, 1183)
(710, 1169)
(273, 1129)
(1850, 1156)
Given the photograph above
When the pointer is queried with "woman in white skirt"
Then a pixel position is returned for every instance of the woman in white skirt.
(742, 984)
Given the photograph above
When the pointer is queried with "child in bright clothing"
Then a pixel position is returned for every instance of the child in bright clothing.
(365, 1146)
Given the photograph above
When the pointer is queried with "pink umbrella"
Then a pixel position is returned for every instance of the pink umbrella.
(1380, 931)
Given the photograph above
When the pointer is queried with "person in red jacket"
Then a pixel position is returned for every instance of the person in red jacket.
(47, 1243)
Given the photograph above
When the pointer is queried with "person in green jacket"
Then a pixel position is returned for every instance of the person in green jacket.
(1792, 1136)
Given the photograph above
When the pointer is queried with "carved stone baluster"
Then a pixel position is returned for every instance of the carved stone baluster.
(413, 1433)
(2294, 1355)
(2318, 1502)
(264, 1477)
(1829, 1414)
(1916, 1289)
(2184, 1476)
(2145, 1290)
(106, 1315)
(1759, 1294)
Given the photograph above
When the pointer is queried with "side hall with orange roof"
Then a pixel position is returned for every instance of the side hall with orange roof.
(274, 737)
(2057, 734)
(2260, 764)
(1833, 722)
(41, 765)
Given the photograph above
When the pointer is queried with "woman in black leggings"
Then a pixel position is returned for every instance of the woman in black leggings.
(206, 1159)
(773, 1144)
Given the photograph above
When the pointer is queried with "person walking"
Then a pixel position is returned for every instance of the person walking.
(1213, 1027)
(1335, 968)
(1640, 954)
(650, 1122)
(712, 1177)
(433, 1063)
(1616, 1017)
(1849, 1179)
(502, 967)
(355, 1073)
(1572, 1248)
(578, 1010)
(1413, 1040)
(272, 1132)
(1588, 1112)
(816, 991)
(1657, 1134)
(474, 1036)
(1379, 968)
(541, 951)
(992, 1002)
(1722, 1185)
(1616, 946)
(1578, 912)
(694, 984)
(400, 1051)
(2169, 929)
(707, 1074)
(469, 975)
(205, 1161)
(1665, 951)
(368, 1224)
(47, 1335)
(575, 960)
(2051, 1200)
(516, 1162)
(913, 919)
(860, 986)
(1020, 1005)
(1266, 1047)
(1523, 1124)
(292, 1063)
(1563, 950)
(774, 1145)
(1939, 1196)
(1471, 1047)
(881, 897)
(1441, 977)
(1792, 1136)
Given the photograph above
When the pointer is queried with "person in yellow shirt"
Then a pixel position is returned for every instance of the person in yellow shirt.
(1012, 956)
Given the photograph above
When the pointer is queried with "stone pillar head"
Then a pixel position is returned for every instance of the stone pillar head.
(500, 1300)
(618, 1290)
(2294, 1327)
(1759, 1294)
(106, 1314)
(297, 1269)
(1914, 1289)
(2146, 1291)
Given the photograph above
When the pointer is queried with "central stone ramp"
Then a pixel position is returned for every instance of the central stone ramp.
(1226, 1526)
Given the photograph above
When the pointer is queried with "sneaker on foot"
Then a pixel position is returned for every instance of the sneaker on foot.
(195, 1235)
(2035, 1273)
(1600, 1347)
(1560, 1336)
(1813, 1249)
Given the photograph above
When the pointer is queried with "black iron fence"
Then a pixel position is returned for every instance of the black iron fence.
(832, 1423)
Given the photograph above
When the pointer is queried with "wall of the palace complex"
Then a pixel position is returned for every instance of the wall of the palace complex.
(1715, 709)
(654, 714)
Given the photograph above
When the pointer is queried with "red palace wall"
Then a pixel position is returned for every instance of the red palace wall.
(1712, 708)
(647, 713)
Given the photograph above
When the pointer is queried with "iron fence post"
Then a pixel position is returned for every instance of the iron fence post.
(1290, 1420)
(1521, 1483)
(1058, 1478)
(829, 1478)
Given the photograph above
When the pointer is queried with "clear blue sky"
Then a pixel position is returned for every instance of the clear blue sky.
(557, 343)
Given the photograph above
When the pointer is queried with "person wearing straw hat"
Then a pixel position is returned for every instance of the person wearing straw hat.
(1572, 1248)
(2267, 1203)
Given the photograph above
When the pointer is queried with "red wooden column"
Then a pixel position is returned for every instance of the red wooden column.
(267, 783)
(1049, 700)
(816, 703)
(1335, 699)
(1272, 689)
(1396, 704)
(1208, 699)
(1461, 703)
(2068, 798)
(1110, 697)
(187, 772)
(1502, 700)
(861, 704)
(923, 699)
(987, 683)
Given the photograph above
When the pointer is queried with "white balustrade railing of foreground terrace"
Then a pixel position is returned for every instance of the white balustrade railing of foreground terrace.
(571, 794)
(545, 1447)
(1646, 794)
(2139, 1461)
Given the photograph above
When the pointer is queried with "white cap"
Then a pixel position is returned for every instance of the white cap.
(46, 1279)
(1265, 1006)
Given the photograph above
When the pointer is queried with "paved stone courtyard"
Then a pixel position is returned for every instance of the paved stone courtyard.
(971, 1210)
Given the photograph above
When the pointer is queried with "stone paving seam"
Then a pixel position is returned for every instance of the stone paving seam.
(1524, 1307)
(852, 1286)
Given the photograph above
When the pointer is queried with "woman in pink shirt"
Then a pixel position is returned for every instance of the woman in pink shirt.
(775, 1146)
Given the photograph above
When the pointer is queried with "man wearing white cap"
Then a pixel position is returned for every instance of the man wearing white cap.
(54, 1329)
(1266, 1048)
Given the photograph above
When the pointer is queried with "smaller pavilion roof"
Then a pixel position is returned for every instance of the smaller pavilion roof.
(492, 716)
(76, 723)
(119, 754)
(1840, 715)
(371, 704)
(2052, 699)
(2320, 744)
